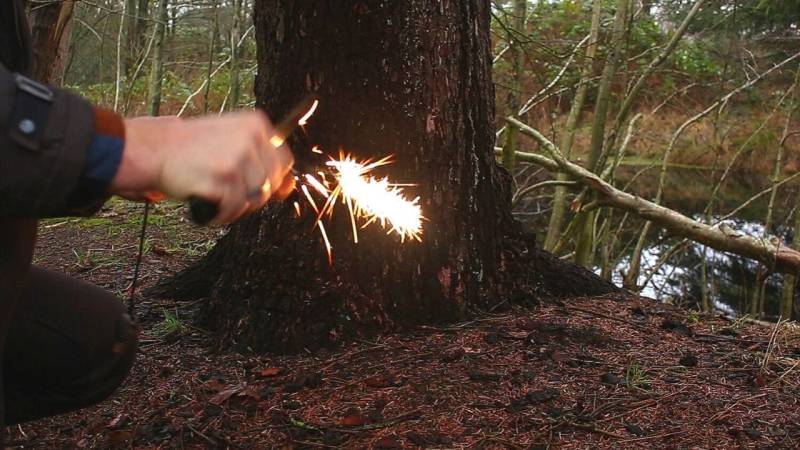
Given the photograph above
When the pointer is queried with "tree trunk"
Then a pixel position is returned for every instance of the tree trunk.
(556, 223)
(234, 37)
(789, 294)
(405, 78)
(585, 246)
(515, 89)
(131, 31)
(212, 49)
(157, 68)
(408, 78)
(142, 14)
(51, 28)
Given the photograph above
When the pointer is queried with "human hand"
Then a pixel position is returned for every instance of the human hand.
(227, 160)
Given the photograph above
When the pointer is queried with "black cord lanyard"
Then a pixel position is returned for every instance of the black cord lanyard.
(138, 266)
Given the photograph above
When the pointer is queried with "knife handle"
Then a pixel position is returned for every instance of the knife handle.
(202, 211)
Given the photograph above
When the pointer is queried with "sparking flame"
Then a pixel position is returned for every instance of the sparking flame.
(368, 199)
(304, 120)
(372, 199)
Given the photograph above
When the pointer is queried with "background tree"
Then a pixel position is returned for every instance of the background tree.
(157, 70)
(51, 27)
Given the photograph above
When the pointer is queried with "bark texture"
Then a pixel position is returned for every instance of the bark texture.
(51, 26)
(405, 78)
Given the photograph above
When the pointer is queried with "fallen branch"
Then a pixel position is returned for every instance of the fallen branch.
(771, 252)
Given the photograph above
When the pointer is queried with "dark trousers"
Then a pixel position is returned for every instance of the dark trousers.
(68, 344)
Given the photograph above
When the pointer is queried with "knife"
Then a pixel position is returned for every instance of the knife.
(203, 211)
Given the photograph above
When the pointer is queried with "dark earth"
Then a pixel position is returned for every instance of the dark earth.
(616, 371)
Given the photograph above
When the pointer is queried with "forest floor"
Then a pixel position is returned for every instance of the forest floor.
(613, 372)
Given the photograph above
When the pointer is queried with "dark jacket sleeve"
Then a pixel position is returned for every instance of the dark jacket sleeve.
(40, 170)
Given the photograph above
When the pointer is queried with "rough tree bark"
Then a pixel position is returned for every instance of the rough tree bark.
(51, 26)
(409, 78)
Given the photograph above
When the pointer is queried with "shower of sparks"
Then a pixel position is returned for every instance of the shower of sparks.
(368, 199)
(371, 199)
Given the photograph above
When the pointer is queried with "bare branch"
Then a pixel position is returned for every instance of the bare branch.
(771, 252)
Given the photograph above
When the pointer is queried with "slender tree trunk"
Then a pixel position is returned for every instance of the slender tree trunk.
(584, 250)
(157, 68)
(118, 72)
(763, 273)
(789, 292)
(705, 295)
(212, 48)
(142, 13)
(790, 289)
(131, 30)
(235, 36)
(759, 285)
(556, 223)
(515, 90)
(51, 29)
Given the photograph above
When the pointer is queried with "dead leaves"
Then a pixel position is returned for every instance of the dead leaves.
(355, 420)
(383, 380)
(240, 390)
(269, 372)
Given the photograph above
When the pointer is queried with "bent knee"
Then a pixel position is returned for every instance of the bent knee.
(123, 352)
(110, 372)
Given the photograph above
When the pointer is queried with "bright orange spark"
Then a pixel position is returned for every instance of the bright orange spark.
(317, 185)
(304, 120)
(368, 199)
(310, 198)
(371, 199)
(327, 241)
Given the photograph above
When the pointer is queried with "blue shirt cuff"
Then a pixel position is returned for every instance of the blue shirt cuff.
(103, 159)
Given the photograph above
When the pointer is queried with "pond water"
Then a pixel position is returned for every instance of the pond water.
(730, 279)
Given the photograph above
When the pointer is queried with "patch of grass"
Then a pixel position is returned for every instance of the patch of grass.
(83, 260)
(636, 376)
(170, 325)
(693, 316)
(96, 222)
(739, 322)
(158, 220)
(192, 249)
